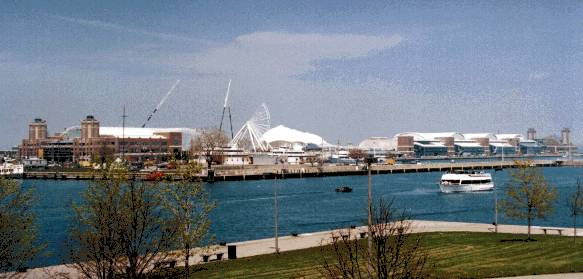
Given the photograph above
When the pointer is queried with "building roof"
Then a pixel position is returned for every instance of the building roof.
(431, 145)
(459, 136)
(285, 134)
(377, 143)
(134, 132)
(431, 136)
(509, 136)
(129, 132)
(468, 144)
(473, 136)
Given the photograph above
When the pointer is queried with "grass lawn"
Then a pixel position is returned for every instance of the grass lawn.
(454, 254)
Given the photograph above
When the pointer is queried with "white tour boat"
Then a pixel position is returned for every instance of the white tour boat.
(466, 181)
(9, 169)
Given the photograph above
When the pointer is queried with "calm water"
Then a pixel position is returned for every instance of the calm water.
(245, 208)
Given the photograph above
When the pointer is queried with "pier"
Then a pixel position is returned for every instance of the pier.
(257, 172)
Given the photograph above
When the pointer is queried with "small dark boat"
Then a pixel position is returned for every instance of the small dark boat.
(344, 189)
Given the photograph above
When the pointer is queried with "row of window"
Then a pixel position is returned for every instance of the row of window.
(481, 181)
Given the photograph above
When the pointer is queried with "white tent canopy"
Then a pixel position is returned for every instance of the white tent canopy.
(292, 136)
(377, 143)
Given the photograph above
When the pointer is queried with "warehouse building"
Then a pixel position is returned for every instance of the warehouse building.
(415, 144)
(90, 142)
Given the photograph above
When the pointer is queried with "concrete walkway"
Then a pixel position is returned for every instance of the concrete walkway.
(550, 276)
(308, 240)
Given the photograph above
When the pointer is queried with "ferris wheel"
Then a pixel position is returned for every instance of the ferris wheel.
(249, 136)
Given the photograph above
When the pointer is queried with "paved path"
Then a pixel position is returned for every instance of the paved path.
(308, 240)
(550, 276)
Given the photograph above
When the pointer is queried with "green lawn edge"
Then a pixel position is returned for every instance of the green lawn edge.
(452, 255)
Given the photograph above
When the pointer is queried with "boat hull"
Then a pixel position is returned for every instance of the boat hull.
(456, 188)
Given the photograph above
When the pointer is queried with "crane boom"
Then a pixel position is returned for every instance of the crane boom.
(225, 105)
(161, 102)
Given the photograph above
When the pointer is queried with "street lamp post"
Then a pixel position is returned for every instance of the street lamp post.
(496, 201)
(276, 215)
(369, 263)
(495, 205)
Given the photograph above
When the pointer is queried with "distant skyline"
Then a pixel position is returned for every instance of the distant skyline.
(345, 70)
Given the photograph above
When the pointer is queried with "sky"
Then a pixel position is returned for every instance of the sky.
(345, 70)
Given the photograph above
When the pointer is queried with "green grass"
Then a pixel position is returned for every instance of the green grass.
(453, 255)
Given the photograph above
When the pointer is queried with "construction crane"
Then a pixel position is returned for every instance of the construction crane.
(227, 107)
(161, 102)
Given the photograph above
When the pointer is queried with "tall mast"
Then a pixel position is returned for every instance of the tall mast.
(231, 123)
(123, 131)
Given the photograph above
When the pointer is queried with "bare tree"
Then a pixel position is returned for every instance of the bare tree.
(245, 144)
(18, 232)
(576, 206)
(120, 229)
(357, 154)
(209, 143)
(93, 242)
(396, 253)
(188, 202)
(312, 160)
(105, 152)
(528, 194)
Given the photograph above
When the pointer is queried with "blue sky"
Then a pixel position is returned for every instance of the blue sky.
(346, 70)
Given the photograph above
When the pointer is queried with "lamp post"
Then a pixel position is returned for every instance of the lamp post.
(369, 263)
(495, 203)
(276, 215)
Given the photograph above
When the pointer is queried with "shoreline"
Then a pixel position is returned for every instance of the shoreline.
(309, 240)
(259, 172)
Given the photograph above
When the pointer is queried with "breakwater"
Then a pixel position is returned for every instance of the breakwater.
(256, 172)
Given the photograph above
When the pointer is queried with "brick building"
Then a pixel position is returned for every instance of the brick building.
(90, 142)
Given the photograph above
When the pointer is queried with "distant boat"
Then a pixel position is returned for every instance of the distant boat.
(466, 181)
(344, 189)
(9, 169)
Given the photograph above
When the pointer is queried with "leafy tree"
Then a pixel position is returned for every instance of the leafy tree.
(396, 253)
(576, 206)
(209, 144)
(529, 196)
(18, 233)
(121, 228)
(190, 207)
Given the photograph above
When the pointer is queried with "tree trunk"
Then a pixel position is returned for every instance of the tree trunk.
(529, 217)
(187, 259)
(574, 227)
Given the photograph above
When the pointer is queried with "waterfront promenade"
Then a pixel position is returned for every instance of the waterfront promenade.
(308, 240)
(255, 172)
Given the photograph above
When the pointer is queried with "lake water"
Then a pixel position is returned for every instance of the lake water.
(245, 208)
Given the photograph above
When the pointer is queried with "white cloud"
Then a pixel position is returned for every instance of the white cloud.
(287, 54)
(121, 29)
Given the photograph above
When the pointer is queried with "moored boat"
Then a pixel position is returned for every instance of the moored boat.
(9, 169)
(466, 181)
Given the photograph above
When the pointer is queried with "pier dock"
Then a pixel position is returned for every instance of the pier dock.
(256, 172)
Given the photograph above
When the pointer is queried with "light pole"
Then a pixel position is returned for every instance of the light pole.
(495, 204)
(369, 263)
(276, 215)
